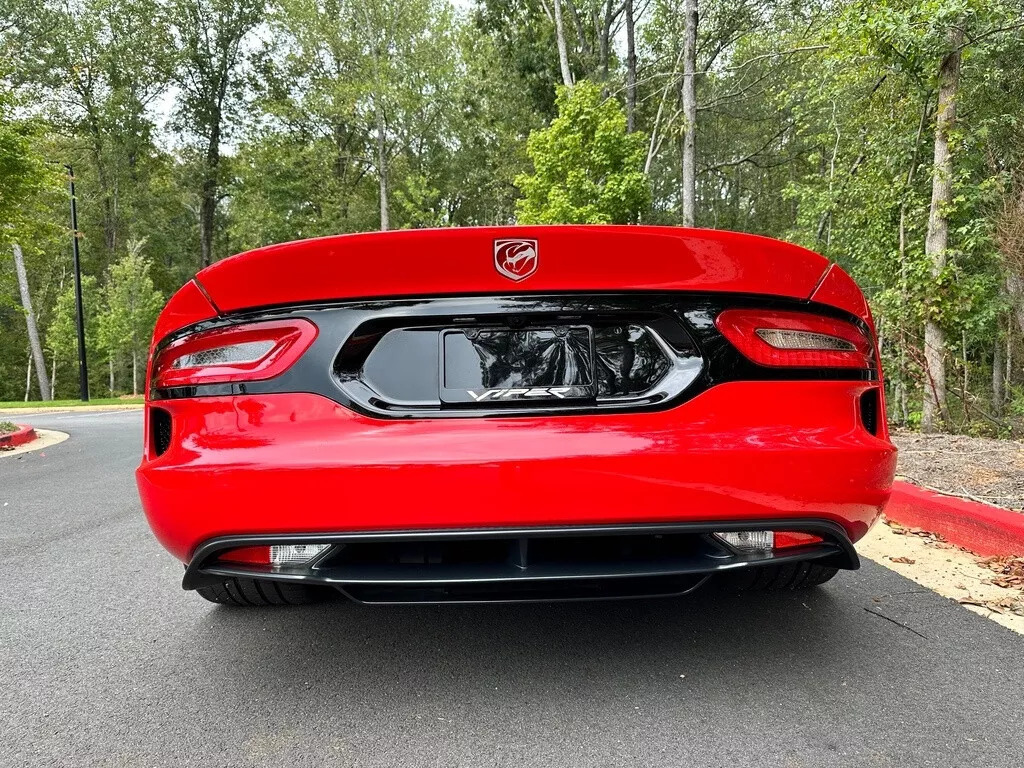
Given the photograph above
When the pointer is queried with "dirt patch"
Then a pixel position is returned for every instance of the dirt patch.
(991, 587)
(979, 468)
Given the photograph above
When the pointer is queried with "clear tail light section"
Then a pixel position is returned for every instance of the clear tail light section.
(249, 352)
(783, 339)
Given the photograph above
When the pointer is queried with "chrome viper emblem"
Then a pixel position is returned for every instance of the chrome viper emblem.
(516, 259)
(515, 394)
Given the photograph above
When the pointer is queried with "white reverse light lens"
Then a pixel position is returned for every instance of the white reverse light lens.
(295, 554)
(781, 338)
(749, 541)
(246, 352)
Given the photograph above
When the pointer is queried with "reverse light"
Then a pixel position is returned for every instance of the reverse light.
(796, 339)
(295, 554)
(749, 541)
(764, 542)
(249, 352)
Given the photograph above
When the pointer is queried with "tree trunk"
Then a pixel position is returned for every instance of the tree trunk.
(563, 52)
(382, 169)
(53, 377)
(1015, 287)
(208, 203)
(689, 112)
(135, 372)
(28, 377)
(630, 69)
(30, 320)
(111, 362)
(937, 240)
(998, 392)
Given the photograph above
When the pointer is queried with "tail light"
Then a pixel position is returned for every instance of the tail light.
(767, 541)
(250, 352)
(276, 555)
(796, 339)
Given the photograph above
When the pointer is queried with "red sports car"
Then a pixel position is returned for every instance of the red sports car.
(523, 413)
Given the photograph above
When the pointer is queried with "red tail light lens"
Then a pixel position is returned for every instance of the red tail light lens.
(784, 539)
(250, 352)
(247, 555)
(796, 339)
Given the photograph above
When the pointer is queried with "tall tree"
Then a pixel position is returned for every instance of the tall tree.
(630, 68)
(211, 35)
(35, 346)
(937, 241)
(689, 99)
(563, 50)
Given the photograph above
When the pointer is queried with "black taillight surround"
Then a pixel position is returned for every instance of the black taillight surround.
(349, 331)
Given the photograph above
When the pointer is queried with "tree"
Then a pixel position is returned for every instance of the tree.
(30, 321)
(22, 175)
(563, 51)
(62, 333)
(211, 35)
(937, 241)
(132, 305)
(689, 99)
(587, 168)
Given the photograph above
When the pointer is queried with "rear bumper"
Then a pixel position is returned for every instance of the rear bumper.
(281, 464)
(523, 564)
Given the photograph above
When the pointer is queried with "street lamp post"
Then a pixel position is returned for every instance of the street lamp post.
(83, 370)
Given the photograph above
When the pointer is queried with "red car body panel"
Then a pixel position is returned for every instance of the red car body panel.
(186, 307)
(296, 462)
(302, 463)
(448, 261)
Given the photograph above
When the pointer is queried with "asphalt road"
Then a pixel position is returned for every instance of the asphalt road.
(104, 660)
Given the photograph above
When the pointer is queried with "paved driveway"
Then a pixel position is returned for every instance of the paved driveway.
(104, 660)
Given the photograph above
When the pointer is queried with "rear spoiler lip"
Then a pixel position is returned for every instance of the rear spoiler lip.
(461, 261)
(743, 264)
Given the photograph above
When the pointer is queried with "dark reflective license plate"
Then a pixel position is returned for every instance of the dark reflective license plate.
(492, 366)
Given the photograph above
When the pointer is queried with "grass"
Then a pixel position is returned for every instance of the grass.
(70, 403)
(6, 427)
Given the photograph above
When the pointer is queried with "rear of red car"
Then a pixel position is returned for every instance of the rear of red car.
(514, 414)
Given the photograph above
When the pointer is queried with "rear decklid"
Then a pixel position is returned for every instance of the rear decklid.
(442, 262)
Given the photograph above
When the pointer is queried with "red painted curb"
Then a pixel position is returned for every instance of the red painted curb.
(982, 528)
(20, 437)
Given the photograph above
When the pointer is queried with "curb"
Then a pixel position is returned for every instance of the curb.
(22, 436)
(982, 528)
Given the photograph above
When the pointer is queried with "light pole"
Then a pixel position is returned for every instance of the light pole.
(83, 369)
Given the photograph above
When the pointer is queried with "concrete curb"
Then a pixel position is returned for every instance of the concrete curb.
(22, 436)
(982, 528)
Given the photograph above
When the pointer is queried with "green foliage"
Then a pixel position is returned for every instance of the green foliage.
(62, 333)
(132, 306)
(587, 168)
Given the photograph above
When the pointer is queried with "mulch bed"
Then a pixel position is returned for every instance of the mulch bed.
(978, 468)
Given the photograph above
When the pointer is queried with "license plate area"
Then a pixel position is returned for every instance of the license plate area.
(514, 366)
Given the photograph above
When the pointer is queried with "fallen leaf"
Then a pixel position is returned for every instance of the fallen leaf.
(902, 559)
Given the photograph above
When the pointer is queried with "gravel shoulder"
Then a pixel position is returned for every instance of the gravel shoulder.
(978, 468)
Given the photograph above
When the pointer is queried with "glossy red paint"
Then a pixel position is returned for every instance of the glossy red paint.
(838, 289)
(295, 463)
(460, 261)
(186, 307)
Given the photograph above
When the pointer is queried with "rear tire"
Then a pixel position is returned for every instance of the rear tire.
(245, 593)
(778, 578)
